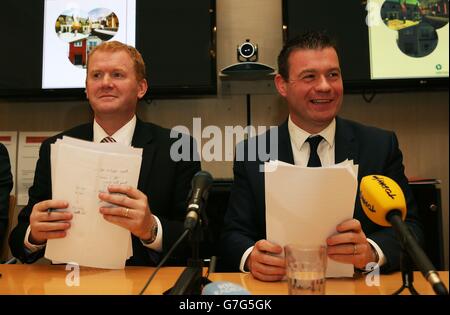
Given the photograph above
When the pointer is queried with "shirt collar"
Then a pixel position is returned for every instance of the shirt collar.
(299, 136)
(124, 135)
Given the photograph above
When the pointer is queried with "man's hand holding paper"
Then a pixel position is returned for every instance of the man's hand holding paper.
(48, 224)
(350, 245)
(265, 261)
(131, 210)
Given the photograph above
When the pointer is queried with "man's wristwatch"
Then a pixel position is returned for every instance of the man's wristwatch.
(154, 233)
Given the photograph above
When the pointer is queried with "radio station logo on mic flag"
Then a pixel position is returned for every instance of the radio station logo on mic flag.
(378, 195)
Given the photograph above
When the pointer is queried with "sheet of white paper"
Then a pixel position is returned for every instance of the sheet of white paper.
(27, 156)
(304, 205)
(79, 172)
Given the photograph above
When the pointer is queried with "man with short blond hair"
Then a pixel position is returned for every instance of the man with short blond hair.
(154, 211)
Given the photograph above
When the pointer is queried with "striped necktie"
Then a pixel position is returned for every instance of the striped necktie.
(108, 140)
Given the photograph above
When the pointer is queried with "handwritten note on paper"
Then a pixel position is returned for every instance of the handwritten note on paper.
(79, 172)
(304, 205)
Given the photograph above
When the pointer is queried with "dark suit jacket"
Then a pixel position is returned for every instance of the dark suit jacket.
(165, 182)
(375, 150)
(6, 185)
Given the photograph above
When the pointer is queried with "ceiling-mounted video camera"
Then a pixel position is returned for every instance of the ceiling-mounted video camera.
(247, 51)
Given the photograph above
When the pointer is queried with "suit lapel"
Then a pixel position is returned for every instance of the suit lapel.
(284, 144)
(142, 138)
(84, 132)
(346, 146)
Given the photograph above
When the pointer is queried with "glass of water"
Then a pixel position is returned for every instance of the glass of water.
(306, 269)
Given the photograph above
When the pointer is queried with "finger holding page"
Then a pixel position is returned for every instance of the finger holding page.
(47, 223)
(131, 209)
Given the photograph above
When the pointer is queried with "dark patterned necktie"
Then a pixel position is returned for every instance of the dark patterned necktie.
(314, 160)
(108, 140)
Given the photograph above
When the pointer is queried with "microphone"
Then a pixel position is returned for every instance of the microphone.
(383, 202)
(224, 288)
(201, 182)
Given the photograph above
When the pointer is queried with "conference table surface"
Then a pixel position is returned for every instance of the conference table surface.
(55, 279)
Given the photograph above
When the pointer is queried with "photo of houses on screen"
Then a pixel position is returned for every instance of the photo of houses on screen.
(84, 31)
(416, 22)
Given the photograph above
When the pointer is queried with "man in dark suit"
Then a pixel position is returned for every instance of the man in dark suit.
(153, 212)
(310, 80)
(6, 185)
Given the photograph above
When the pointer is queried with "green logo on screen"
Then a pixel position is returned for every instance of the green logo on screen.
(438, 67)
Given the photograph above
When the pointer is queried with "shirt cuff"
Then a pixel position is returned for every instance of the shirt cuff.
(381, 258)
(244, 259)
(32, 248)
(157, 244)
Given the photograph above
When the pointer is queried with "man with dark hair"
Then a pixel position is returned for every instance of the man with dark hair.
(6, 185)
(310, 80)
(308, 40)
(154, 212)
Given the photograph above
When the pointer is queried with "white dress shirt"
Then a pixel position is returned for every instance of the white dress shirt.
(326, 152)
(124, 136)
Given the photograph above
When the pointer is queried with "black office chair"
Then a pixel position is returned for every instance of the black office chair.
(215, 211)
(428, 198)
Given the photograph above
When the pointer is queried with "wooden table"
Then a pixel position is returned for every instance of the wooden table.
(51, 279)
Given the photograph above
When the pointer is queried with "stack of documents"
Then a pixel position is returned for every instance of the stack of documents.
(305, 204)
(80, 170)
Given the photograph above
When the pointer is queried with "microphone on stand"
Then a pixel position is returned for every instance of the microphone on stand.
(383, 202)
(201, 182)
(191, 280)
